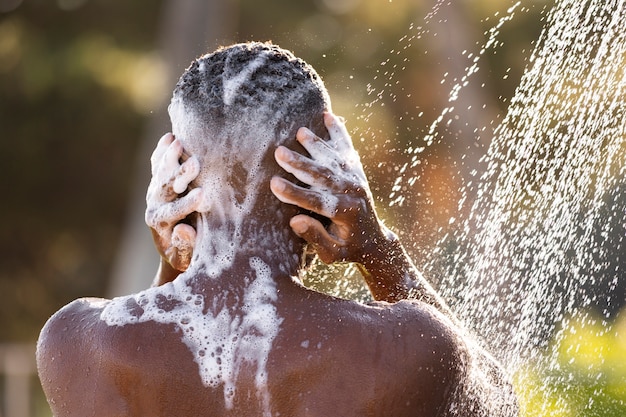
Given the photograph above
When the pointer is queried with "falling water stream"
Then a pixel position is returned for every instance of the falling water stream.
(538, 256)
(539, 229)
(542, 242)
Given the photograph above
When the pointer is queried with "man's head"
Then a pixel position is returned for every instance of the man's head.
(231, 109)
(245, 95)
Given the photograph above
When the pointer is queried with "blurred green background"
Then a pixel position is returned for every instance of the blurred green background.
(83, 85)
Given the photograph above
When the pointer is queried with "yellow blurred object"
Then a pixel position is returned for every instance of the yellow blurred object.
(583, 372)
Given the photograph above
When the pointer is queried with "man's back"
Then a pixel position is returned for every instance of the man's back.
(330, 357)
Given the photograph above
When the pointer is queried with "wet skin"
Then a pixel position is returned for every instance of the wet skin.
(331, 357)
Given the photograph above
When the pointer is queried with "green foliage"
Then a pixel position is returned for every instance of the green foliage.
(583, 373)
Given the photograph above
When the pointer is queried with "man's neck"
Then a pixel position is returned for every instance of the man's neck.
(225, 247)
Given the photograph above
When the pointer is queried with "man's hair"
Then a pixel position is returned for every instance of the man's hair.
(256, 84)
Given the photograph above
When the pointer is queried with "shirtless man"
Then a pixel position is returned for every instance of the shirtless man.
(236, 333)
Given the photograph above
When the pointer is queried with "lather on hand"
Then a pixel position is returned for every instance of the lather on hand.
(167, 207)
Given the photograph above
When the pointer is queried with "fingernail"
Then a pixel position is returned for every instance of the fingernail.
(304, 132)
(283, 154)
(277, 184)
(168, 137)
(299, 227)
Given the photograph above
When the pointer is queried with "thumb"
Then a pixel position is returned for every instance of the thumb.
(183, 243)
(328, 248)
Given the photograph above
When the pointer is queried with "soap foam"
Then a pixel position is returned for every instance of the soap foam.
(231, 85)
(229, 118)
(225, 209)
(226, 149)
(220, 339)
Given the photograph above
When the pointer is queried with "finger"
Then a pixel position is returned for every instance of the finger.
(164, 215)
(159, 151)
(185, 234)
(328, 248)
(340, 138)
(339, 135)
(317, 201)
(182, 245)
(187, 172)
(304, 169)
(172, 155)
(318, 148)
(337, 155)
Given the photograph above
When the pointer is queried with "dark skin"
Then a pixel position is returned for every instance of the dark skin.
(400, 356)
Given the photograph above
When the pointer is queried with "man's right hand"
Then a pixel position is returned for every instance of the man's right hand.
(338, 190)
(167, 206)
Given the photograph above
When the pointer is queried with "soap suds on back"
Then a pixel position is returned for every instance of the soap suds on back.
(220, 339)
(228, 110)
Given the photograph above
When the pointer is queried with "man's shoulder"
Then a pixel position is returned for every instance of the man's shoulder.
(410, 325)
(407, 345)
(411, 311)
(418, 334)
(85, 328)
(67, 358)
(96, 363)
(70, 336)
(77, 317)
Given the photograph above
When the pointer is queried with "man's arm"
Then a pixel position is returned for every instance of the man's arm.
(339, 190)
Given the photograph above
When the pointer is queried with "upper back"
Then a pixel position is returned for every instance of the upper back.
(337, 357)
(329, 357)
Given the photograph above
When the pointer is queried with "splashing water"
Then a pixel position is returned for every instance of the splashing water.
(542, 240)
(532, 232)
(433, 135)
(539, 245)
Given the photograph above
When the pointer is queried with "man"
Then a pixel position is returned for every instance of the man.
(236, 333)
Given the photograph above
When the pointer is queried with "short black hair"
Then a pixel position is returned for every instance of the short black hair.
(253, 78)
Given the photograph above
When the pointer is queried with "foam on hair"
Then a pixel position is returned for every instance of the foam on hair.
(254, 93)
(250, 77)
(231, 109)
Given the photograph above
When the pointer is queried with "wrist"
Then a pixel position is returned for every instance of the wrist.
(385, 265)
(382, 249)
